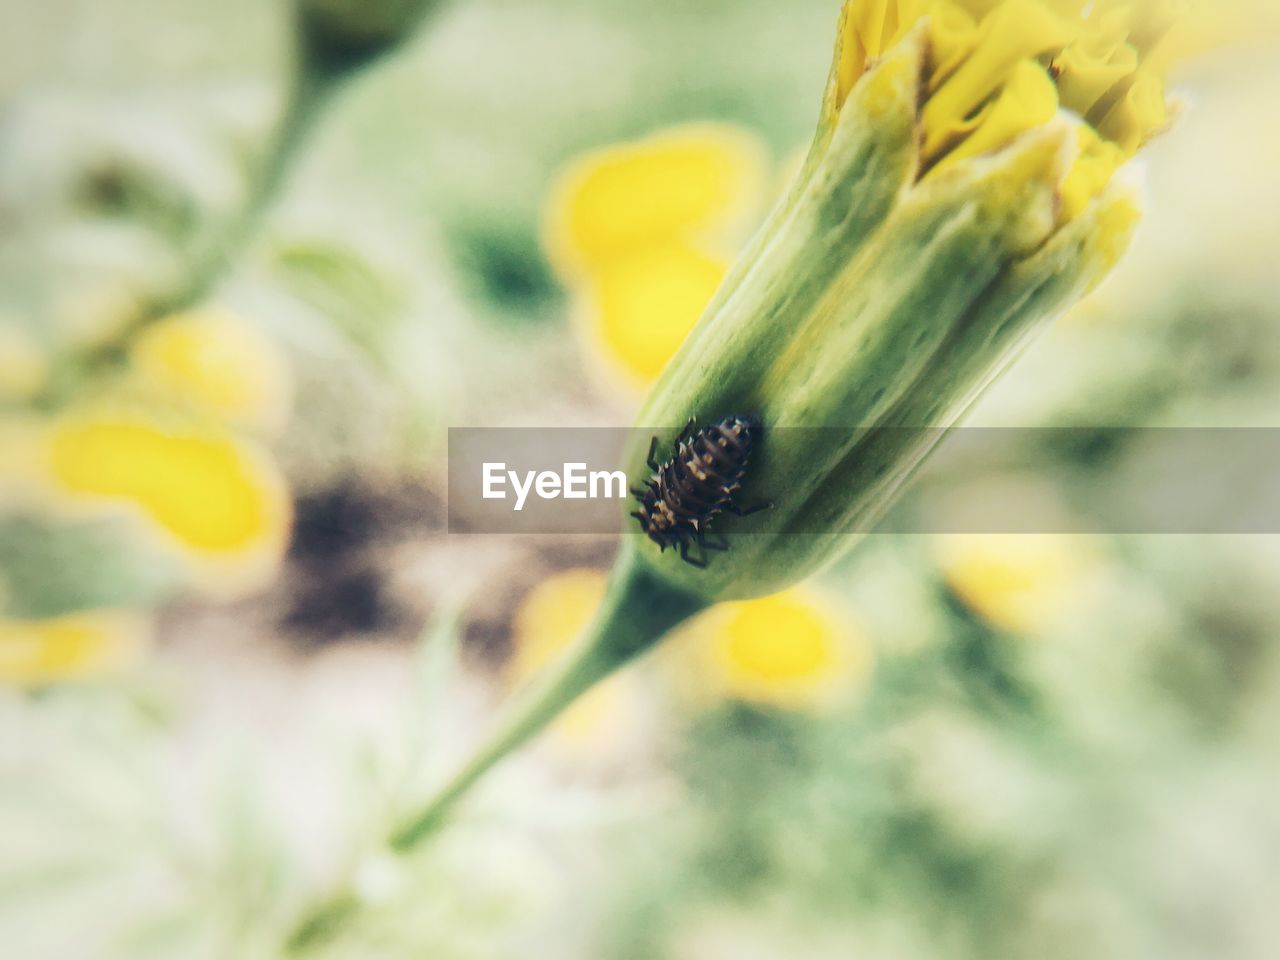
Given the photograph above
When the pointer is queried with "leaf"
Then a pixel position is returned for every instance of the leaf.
(361, 301)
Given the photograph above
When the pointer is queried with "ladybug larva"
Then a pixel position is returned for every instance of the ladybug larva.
(684, 494)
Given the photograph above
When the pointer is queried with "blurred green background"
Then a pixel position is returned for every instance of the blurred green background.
(1043, 747)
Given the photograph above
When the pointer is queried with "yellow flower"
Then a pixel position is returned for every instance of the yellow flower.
(215, 498)
(637, 309)
(23, 365)
(73, 645)
(695, 182)
(794, 650)
(1023, 583)
(216, 364)
(641, 232)
(1001, 67)
(546, 623)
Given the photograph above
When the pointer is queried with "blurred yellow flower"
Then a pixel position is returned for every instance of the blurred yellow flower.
(642, 233)
(546, 623)
(215, 363)
(1022, 583)
(695, 182)
(215, 497)
(638, 309)
(1001, 67)
(23, 365)
(551, 614)
(794, 650)
(70, 646)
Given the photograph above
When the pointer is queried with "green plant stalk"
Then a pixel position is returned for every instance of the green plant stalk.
(309, 96)
(317, 75)
(637, 611)
(323, 62)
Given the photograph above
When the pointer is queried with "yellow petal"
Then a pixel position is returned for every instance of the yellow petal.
(69, 646)
(848, 65)
(1090, 68)
(638, 309)
(954, 33)
(869, 22)
(1023, 583)
(551, 616)
(1027, 100)
(1150, 21)
(1119, 211)
(867, 29)
(689, 182)
(1137, 115)
(217, 499)
(212, 361)
(1013, 32)
(1092, 170)
(793, 649)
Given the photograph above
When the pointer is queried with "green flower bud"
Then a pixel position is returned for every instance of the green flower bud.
(339, 35)
(872, 309)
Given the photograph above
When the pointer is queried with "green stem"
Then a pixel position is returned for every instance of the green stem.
(310, 92)
(638, 610)
(308, 96)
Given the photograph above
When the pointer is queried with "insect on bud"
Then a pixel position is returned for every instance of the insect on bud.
(959, 193)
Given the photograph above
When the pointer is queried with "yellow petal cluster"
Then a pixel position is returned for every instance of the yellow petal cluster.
(642, 233)
(998, 68)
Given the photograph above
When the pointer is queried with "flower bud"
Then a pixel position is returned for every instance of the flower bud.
(343, 34)
(960, 192)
